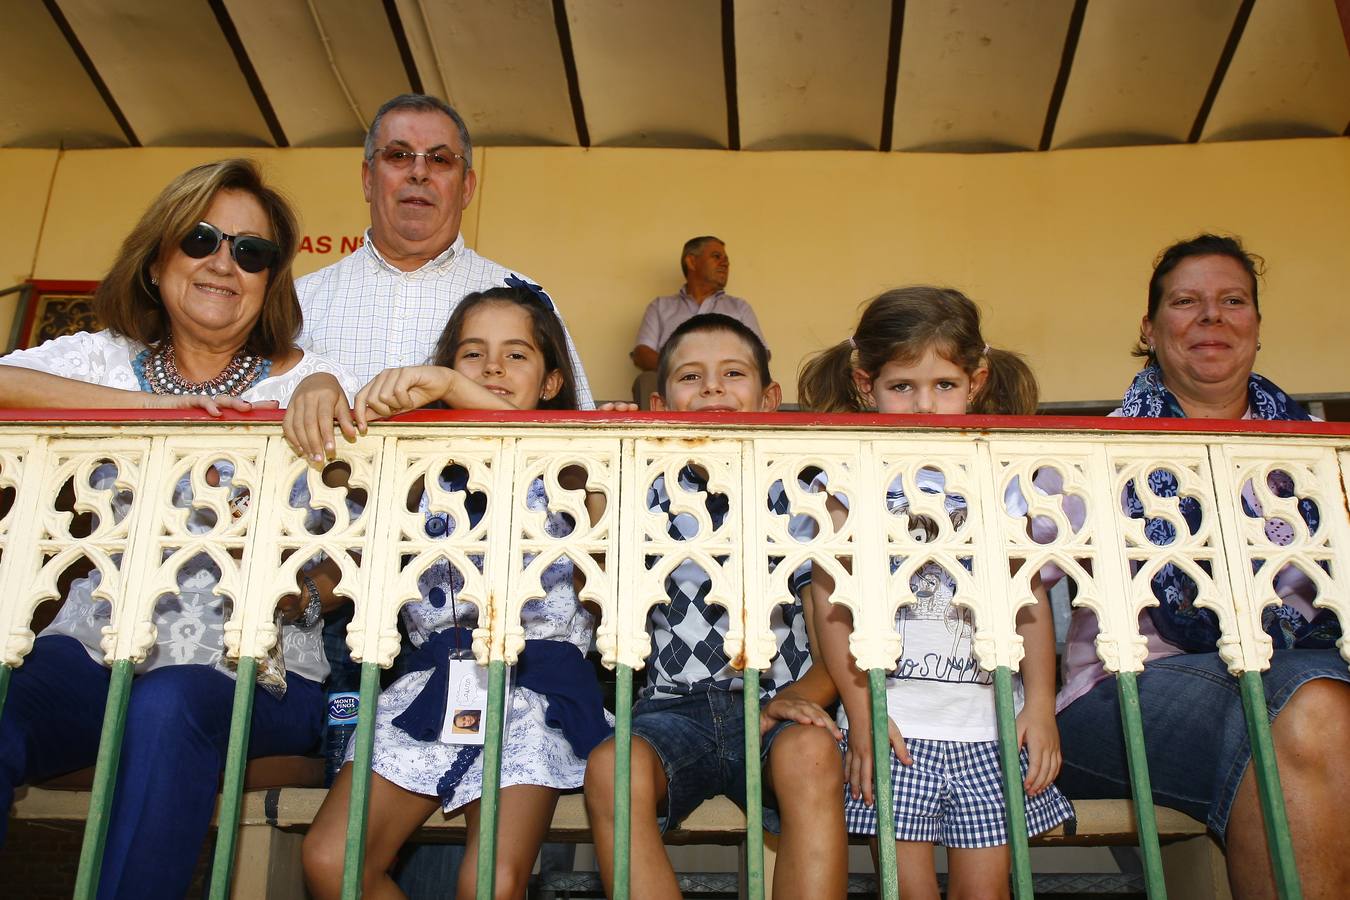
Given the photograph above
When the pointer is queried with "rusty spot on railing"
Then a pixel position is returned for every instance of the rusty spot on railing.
(738, 662)
(1345, 498)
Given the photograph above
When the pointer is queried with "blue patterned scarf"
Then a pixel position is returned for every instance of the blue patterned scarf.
(1176, 617)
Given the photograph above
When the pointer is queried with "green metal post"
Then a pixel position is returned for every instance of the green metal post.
(1278, 842)
(492, 776)
(623, 757)
(4, 685)
(359, 802)
(1012, 783)
(881, 771)
(105, 780)
(232, 792)
(754, 789)
(1127, 691)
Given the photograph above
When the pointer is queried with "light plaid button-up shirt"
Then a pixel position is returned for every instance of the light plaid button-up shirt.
(665, 314)
(368, 315)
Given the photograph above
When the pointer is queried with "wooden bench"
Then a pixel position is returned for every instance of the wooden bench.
(274, 820)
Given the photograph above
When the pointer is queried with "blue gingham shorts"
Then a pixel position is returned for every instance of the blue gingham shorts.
(953, 796)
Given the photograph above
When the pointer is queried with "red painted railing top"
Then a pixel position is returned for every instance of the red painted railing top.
(967, 423)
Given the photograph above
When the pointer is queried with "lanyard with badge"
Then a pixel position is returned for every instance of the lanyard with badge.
(466, 695)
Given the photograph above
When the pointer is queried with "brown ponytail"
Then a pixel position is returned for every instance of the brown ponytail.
(1010, 389)
(826, 382)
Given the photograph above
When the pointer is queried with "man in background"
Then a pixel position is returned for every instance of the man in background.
(706, 266)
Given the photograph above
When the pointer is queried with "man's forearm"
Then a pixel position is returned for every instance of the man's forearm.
(645, 358)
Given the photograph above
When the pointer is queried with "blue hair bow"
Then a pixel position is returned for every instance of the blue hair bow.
(515, 281)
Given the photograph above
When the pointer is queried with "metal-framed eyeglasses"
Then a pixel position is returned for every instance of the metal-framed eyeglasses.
(438, 160)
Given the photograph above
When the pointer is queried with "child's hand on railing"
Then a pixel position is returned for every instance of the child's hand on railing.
(858, 760)
(785, 707)
(317, 402)
(1037, 731)
(395, 391)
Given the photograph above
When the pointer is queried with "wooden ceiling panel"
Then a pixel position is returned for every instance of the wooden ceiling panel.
(1290, 76)
(419, 44)
(811, 73)
(958, 75)
(171, 71)
(1141, 71)
(977, 75)
(365, 52)
(502, 69)
(326, 68)
(651, 73)
(46, 97)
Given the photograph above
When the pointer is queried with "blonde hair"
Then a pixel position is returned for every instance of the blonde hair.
(126, 301)
(901, 324)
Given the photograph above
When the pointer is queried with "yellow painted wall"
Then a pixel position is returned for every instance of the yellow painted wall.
(25, 177)
(1056, 247)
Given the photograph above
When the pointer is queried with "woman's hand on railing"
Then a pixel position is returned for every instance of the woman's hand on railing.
(858, 760)
(1038, 733)
(212, 405)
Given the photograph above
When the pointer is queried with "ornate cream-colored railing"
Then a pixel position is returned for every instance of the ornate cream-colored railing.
(377, 537)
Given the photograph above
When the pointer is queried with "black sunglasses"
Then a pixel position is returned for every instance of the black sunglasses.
(253, 254)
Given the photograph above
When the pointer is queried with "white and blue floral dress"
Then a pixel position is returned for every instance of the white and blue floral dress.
(532, 752)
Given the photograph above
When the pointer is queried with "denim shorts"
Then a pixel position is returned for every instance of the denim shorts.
(700, 739)
(1194, 730)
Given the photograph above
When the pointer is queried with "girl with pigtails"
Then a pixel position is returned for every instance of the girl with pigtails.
(919, 350)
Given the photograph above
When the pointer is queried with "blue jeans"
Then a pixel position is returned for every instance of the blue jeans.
(700, 739)
(1195, 733)
(177, 727)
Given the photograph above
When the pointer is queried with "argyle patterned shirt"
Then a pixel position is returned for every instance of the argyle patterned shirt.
(688, 632)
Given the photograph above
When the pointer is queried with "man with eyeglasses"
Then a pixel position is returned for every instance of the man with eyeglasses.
(387, 303)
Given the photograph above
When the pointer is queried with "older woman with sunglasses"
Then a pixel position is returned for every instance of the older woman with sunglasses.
(201, 311)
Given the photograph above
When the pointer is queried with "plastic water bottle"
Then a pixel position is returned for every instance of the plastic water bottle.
(343, 708)
(344, 681)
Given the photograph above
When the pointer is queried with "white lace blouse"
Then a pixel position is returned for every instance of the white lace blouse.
(190, 623)
(104, 358)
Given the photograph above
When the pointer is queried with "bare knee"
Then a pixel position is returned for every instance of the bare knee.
(511, 883)
(809, 757)
(323, 860)
(978, 874)
(1317, 716)
(647, 780)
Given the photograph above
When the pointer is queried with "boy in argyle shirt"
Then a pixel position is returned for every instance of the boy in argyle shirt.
(688, 723)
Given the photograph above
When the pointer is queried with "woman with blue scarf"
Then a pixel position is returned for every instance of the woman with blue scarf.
(1200, 339)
